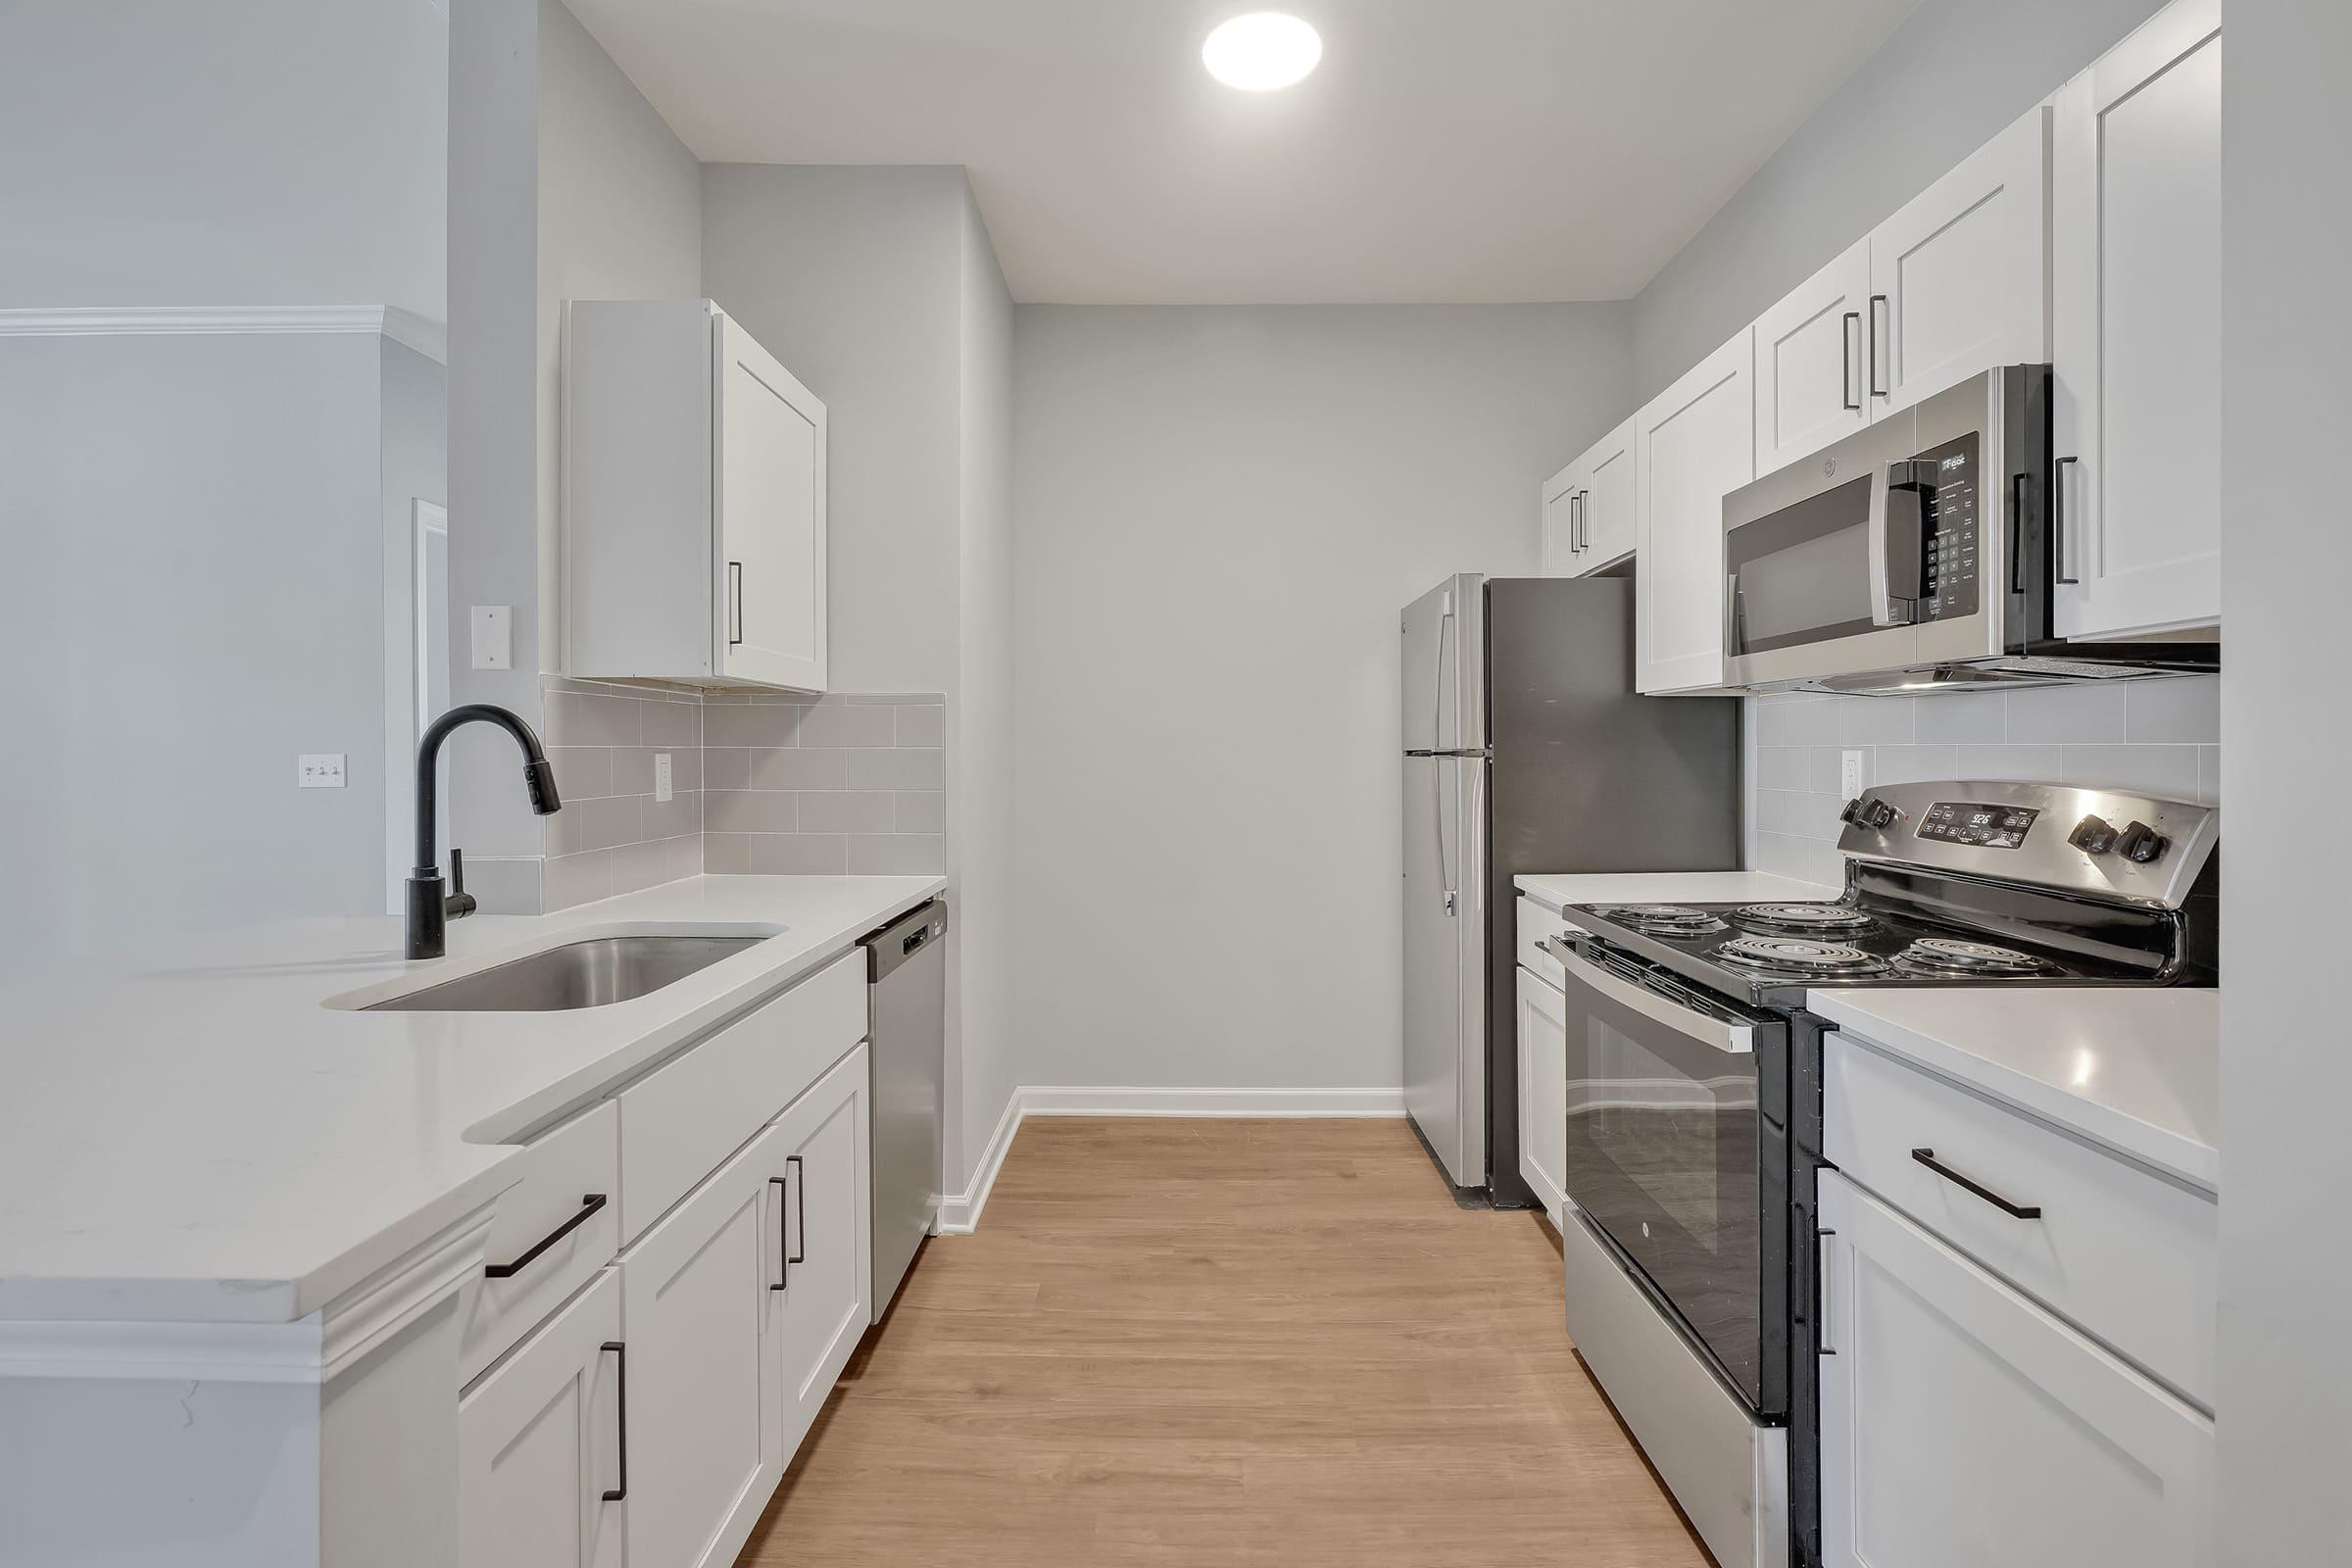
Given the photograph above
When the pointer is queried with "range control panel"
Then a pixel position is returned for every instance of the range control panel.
(1978, 823)
(1949, 549)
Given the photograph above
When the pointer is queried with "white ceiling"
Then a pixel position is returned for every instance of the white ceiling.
(1445, 151)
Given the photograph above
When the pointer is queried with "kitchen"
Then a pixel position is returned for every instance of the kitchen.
(962, 654)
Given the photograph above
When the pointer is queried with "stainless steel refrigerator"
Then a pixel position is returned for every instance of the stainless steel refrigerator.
(1526, 750)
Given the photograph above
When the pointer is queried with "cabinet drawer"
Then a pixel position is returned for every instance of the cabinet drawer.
(566, 1173)
(679, 1122)
(1535, 922)
(2123, 1253)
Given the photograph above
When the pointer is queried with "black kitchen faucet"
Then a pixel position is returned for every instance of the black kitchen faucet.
(431, 905)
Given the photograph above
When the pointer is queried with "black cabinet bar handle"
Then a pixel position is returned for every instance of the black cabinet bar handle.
(735, 583)
(1877, 313)
(589, 1204)
(784, 1257)
(2058, 519)
(1847, 398)
(799, 1204)
(620, 1410)
(1927, 1158)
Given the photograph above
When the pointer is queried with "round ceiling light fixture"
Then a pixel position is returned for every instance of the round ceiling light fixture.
(1262, 51)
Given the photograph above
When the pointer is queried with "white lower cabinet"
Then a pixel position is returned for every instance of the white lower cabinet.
(706, 1436)
(820, 1171)
(1544, 1092)
(1961, 1424)
(539, 1444)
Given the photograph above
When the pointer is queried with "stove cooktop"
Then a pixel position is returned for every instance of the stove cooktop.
(1772, 953)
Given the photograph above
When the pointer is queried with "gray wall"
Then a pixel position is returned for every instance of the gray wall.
(194, 598)
(239, 152)
(981, 795)
(1953, 74)
(1220, 512)
(2286, 1075)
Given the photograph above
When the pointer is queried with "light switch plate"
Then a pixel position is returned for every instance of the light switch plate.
(320, 771)
(662, 789)
(1849, 775)
(494, 636)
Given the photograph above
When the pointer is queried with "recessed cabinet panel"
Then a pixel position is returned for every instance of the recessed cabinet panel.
(706, 1436)
(2137, 267)
(1959, 277)
(771, 486)
(1543, 1092)
(822, 1173)
(1564, 527)
(1608, 520)
(539, 1444)
(1810, 381)
(1962, 1425)
(1694, 444)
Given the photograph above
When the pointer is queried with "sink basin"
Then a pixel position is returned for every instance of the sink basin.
(593, 973)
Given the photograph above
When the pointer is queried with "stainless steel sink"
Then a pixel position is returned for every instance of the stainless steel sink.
(595, 974)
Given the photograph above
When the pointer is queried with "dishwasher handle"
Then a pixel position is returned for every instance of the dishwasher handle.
(914, 932)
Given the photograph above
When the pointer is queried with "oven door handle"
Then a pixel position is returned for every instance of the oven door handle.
(1732, 1039)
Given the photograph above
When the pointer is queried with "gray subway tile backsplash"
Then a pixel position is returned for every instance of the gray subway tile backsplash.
(2161, 737)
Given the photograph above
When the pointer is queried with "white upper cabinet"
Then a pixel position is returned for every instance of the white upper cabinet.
(1959, 277)
(2136, 268)
(1961, 1424)
(694, 502)
(1810, 365)
(1589, 508)
(1694, 444)
(1563, 521)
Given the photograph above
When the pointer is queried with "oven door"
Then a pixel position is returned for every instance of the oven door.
(1671, 1141)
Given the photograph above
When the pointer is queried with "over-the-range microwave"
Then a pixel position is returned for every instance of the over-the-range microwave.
(1916, 555)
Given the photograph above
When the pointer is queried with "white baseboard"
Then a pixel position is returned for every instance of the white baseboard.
(1061, 1101)
(960, 1212)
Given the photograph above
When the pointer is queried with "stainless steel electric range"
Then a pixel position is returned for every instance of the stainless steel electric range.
(1694, 1096)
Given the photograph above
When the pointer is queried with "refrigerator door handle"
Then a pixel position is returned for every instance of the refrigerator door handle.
(1437, 715)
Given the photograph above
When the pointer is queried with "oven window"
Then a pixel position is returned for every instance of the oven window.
(1663, 1154)
(1802, 574)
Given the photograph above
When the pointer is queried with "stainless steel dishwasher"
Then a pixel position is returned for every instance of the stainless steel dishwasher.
(906, 995)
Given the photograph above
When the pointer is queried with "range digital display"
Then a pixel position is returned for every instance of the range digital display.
(1991, 828)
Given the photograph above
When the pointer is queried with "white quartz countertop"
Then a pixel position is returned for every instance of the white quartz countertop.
(1556, 893)
(205, 1137)
(2136, 1070)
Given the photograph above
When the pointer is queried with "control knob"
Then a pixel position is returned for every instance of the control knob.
(2142, 844)
(2093, 835)
(1865, 811)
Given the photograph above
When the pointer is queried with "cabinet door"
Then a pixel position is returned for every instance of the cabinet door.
(1958, 278)
(1563, 530)
(539, 1445)
(1607, 507)
(820, 1171)
(1809, 372)
(2136, 265)
(1962, 1425)
(771, 518)
(1693, 444)
(1544, 1092)
(706, 1444)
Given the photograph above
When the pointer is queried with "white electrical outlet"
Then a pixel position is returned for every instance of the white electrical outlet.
(494, 636)
(320, 771)
(661, 776)
(1850, 772)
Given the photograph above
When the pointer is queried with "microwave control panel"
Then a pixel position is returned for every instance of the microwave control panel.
(1948, 553)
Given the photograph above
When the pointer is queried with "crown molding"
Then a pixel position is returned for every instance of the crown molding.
(426, 336)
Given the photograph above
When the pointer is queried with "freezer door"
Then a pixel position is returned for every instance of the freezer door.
(1443, 668)
(1445, 961)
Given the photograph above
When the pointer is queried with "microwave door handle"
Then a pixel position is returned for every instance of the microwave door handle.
(1732, 1039)
(1882, 586)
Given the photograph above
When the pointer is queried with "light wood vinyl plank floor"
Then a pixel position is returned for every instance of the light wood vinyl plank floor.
(1223, 1341)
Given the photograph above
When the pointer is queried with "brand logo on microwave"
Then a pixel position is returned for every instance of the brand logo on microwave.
(1949, 464)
